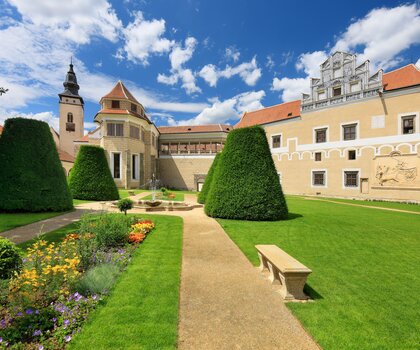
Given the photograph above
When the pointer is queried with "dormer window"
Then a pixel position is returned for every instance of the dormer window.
(133, 108)
(115, 104)
(337, 91)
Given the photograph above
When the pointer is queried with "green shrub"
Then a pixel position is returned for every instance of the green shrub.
(245, 183)
(10, 259)
(90, 178)
(209, 179)
(125, 204)
(111, 230)
(31, 175)
(97, 280)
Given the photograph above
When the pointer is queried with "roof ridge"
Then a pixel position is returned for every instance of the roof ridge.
(407, 65)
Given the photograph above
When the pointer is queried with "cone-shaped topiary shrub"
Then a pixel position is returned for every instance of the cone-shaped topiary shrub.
(31, 175)
(90, 177)
(209, 179)
(245, 183)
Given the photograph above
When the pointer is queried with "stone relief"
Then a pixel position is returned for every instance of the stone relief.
(397, 170)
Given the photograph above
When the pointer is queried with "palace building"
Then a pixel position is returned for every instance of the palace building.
(355, 135)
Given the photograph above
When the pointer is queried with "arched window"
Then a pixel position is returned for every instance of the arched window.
(70, 117)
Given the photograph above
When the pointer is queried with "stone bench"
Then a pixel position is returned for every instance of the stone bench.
(284, 270)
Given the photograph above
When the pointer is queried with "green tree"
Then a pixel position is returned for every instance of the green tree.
(209, 179)
(31, 175)
(245, 183)
(90, 177)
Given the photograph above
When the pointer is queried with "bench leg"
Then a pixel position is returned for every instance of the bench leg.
(263, 262)
(293, 288)
(274, 278)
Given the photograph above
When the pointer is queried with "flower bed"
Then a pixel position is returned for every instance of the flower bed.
(47, 301)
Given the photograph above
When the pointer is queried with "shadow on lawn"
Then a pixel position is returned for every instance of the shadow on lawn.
(293, 216)
(312, 293)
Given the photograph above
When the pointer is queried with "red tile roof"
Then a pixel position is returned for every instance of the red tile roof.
(123, 112)
(64, 156)
(85, 138)
(275, 113)
(402, 77)
(194, 129)
(120, 92)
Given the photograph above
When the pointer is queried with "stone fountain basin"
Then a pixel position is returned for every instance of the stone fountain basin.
(162, 205)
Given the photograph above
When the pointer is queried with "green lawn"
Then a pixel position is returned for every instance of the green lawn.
(81, 201)
(9, 221)
(179, 197)
(392, 205)
(142, 310)
(365, 264)
(124, 193)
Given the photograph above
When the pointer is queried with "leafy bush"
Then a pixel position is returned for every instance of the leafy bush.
(10, 259)
(111, 230)
(245, 183)
(209, 179)
(90, 177)
(97, 280)
(31, 174)
(125, 204)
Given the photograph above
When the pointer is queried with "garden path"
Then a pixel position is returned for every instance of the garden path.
(225, 303)
(27, 232)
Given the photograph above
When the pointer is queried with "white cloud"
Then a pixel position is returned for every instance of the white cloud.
(77, 20)
(270, 62)
(383, 33)
(309, 62)
(291, 88)
(143, 38)
(228, 110)
(248, 71)
(373, 37)
(178, 57)
(232, 53)
(418, 63)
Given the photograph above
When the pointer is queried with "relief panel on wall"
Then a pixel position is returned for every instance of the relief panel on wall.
(396, 171)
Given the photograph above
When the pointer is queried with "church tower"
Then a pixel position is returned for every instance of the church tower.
(71, 113)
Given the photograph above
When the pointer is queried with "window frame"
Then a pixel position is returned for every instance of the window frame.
(135, 171)
(113, 165)
(325, 178)
(115, 129)
(359, 176)
(347, 124)
(272, 141)
(336, 88)
(403, 116)
(348, 154)
(320, 156)
(136, 137)
(116, 102)
(320, 128)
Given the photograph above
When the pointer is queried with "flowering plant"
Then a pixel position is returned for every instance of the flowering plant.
(48, 271)
(142, 226)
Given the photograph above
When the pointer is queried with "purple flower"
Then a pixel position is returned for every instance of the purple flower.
(66, 323)
(1, 340)
(19, 314)
(29, 311)
(37, 333)
(54, 319)
(67, 338)
(41, 347)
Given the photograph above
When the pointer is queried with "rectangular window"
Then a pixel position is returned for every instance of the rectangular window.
(276, 141)
(134, 132)
(351, 178)
(116, 165)
(408, 124)
(164, 148)
(114, 129)
(115, 104)
(173, 148)
(318, 157)
(183, 148)
(321, 135)
(318, 178)
(352, 155)
(321, 95)
(135, 166)
(337, 91)
(133, 108)
(349, 132)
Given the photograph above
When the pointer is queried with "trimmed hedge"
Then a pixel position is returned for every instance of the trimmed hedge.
(209, 179)
(90, 177)
(31, 175)
(245, 183)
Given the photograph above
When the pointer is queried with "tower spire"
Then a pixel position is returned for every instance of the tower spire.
(71, 88)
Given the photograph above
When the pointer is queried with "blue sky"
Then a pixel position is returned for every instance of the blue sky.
(190, 62)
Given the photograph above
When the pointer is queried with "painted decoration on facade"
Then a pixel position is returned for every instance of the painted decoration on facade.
(397, 170)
